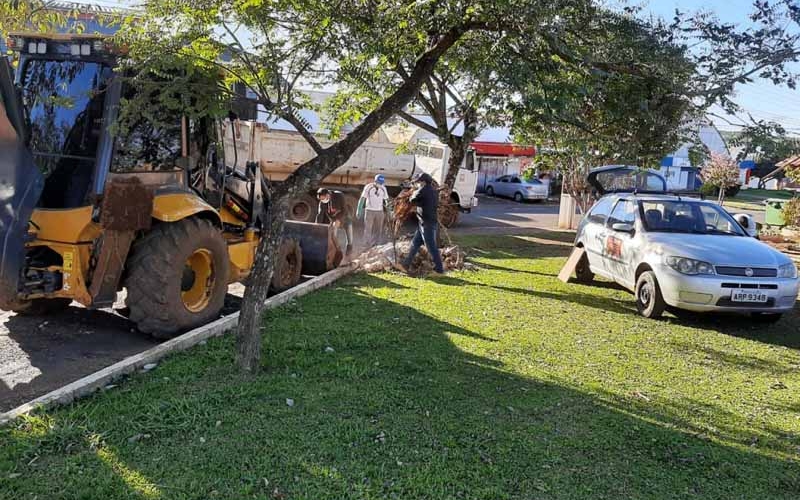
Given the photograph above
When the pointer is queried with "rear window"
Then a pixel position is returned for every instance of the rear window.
(629, 180)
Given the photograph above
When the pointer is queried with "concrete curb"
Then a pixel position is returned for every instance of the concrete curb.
(100, 379)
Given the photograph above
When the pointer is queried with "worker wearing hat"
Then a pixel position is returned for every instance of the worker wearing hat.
(333, 211)
(373, 200)
(426, 199)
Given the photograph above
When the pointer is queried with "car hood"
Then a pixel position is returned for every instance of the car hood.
(719, 249)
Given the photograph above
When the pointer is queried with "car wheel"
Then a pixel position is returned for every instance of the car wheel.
(518, 197)
(490, 191)
(582, 271)
(649, 301)
(767, 318)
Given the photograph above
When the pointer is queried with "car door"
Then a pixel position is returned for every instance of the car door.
(619, 244)
(594, 232)
(515, 186)
(502, 186)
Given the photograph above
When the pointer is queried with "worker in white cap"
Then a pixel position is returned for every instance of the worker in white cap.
(374, 198)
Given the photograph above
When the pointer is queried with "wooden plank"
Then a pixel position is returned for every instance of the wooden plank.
(102, 378)
(571, 264)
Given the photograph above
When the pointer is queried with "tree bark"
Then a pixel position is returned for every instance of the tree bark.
(248, 334)
(460, 145)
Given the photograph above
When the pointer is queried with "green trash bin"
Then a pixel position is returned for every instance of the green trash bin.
(774, 214)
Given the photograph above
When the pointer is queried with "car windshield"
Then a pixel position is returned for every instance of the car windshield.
(683, 216)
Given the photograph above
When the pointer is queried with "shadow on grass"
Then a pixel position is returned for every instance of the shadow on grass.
(363, 397)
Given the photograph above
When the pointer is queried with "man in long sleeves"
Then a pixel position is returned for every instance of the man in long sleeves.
(426, 200)
(333, 210)
(374, 198)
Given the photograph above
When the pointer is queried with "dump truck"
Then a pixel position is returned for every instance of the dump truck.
(281, 152)
(160, 212)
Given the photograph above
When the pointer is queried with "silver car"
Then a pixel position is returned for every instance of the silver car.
(681, 252)
(514, 186)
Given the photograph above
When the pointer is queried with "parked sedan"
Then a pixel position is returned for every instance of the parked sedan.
(683, 252)
(513, 186)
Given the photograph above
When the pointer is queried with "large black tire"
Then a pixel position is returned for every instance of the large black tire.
(165, 295)
(583, 273)
(288, 266)
(518, 197)
(42, 307)
(490, 191)
(649, 301)
(303, 208)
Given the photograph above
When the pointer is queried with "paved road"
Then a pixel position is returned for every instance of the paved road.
(40, 354)
(501, 216)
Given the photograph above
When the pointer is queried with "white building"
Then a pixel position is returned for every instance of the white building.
(677, 168)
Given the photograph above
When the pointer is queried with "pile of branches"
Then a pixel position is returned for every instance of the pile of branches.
(384, 258)
(405, 210)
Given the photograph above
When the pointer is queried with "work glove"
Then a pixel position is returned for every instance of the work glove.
(362, 202)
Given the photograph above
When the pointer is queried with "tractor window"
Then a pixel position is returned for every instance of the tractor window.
(145, 143)
(64, 106)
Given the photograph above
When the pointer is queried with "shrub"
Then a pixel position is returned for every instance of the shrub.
(708, 190)
(791, 212)
(720, 172)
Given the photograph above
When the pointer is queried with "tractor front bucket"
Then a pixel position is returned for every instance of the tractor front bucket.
(319, 253)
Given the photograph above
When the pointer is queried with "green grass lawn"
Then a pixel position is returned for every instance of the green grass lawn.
(495, 384)
(753, 199)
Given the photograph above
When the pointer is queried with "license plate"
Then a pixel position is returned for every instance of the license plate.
(745, 295)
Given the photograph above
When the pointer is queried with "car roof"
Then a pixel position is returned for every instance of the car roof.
(657, 197)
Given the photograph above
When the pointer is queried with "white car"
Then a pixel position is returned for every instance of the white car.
(514, 186)
(677, 251)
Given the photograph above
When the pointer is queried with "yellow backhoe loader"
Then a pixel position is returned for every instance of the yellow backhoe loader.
(158, 212)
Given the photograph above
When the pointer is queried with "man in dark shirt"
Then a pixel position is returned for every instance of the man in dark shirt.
(333, 210)
(426, 199)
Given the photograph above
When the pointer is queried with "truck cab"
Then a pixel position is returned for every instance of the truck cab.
(432, 157)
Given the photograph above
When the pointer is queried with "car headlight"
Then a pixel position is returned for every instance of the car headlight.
(685, 265)
(787, 271)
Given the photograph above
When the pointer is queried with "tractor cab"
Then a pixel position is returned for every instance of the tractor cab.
(99, 196)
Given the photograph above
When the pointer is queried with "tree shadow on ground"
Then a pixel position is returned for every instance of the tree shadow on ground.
(363, 397)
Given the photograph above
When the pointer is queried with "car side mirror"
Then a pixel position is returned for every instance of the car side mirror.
(622, 227)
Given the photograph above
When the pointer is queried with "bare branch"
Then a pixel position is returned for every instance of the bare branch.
(413, 120)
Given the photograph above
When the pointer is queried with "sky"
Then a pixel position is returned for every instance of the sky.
(761, 99)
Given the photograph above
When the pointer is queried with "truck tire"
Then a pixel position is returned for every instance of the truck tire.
(42, 307)
(288, 266)
(303, 208)
(177, 277)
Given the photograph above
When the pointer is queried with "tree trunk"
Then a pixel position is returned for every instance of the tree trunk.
(458, 151)
(248, 333)
(459, 146)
